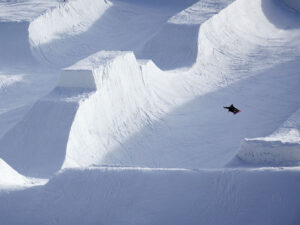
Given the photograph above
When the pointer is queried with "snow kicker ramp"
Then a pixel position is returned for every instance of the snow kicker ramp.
(280, 148)
(104, 96)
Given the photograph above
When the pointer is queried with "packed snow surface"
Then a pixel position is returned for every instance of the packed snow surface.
(281, 147)
(111, 112)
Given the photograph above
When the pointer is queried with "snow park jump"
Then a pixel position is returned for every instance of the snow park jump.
(111, 112)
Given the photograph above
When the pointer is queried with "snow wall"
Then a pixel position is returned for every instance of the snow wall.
(68, 20)
(158, 196)
(280, 148)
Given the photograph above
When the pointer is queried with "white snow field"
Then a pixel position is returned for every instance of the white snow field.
(111, 112)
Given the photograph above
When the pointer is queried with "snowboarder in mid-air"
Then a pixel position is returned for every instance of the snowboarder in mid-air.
(232, 109)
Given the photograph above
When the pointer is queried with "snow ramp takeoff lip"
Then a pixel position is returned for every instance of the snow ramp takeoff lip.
(278, 149)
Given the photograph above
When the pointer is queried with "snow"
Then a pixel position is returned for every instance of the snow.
(77, 79)
(280, 148)
(111, 112)
(11, 180)
(9, 177)
(294, 4)
(24, 10)
(159, 196)
(68, 20)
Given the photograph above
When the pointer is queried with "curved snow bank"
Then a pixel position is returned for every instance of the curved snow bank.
(242, 40)
(9, 177)
(294, 4)
(63, 23)
(159, 196)
(280, 148)
(69, 19)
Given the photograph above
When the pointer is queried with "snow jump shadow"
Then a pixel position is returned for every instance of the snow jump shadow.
(14, 45)
(202, 134)
(36, 146)
(280, 15)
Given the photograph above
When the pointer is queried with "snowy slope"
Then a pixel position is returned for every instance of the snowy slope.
(11, 180)
(87, 27)
(134, 113)
(179, 36)
(22, 80)
(24, 10)
(118, 138)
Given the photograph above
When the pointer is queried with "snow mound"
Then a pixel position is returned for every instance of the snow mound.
(282, 147)
(9, 177)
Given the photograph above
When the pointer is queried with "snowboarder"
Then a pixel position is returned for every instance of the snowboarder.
(232, 109)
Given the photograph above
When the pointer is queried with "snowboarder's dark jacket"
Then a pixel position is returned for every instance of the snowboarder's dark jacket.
(232, 109)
